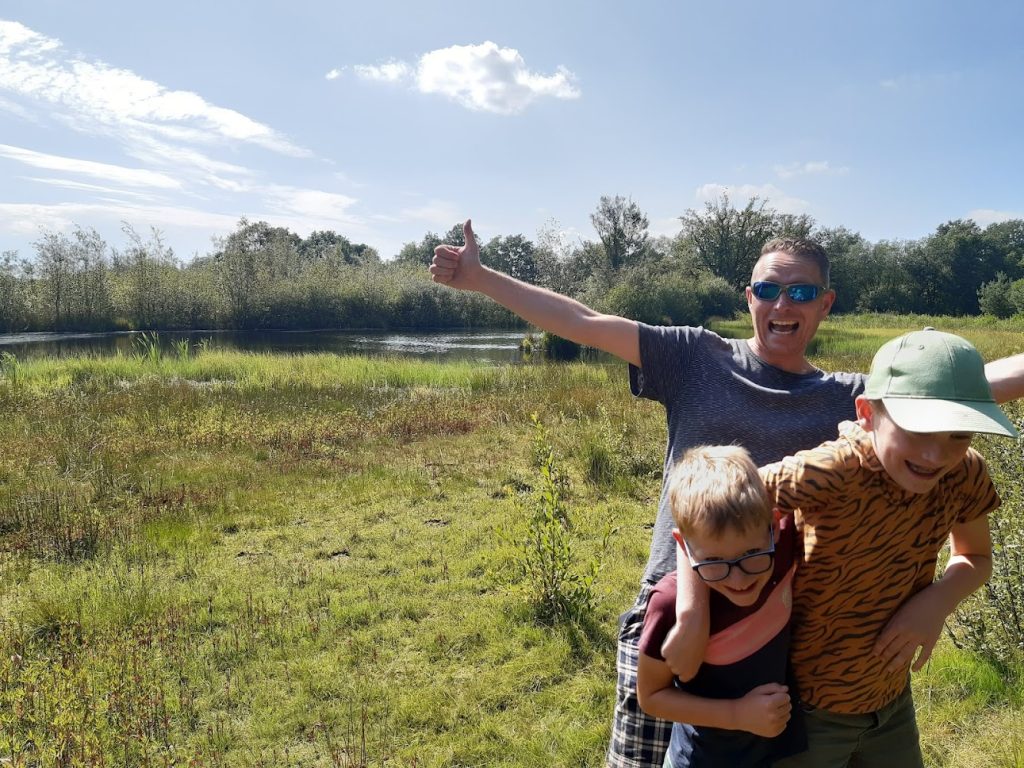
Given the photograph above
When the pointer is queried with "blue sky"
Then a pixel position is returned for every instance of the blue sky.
(385, 120)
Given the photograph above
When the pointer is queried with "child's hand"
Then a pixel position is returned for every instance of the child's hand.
(764, 710)
(917, 624)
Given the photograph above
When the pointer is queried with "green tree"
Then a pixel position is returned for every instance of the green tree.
(951, 265)
(1007, 239)
(14, 307)
(622, 228)
(145, 271)
(421, 253)
(852, 270)
(326, 246)
(994, 297)
(513, 255)
(728, 241)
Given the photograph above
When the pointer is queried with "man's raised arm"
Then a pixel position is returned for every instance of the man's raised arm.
(1006, 377)
(460, 267)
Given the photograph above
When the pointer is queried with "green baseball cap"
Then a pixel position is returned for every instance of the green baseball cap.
(932, 381)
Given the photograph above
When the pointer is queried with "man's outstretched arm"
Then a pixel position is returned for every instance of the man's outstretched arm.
(1006, 377)
(460, 267)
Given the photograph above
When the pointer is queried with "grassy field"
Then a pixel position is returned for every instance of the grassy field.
(222, 559)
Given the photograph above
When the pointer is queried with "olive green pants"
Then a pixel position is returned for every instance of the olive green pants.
(887, 738)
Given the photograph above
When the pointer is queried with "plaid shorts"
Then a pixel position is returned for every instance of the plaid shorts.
(638, 740)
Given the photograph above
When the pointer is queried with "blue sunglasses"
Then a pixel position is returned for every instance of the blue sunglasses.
(801, 293)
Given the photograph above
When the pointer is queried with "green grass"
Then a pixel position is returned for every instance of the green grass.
(259, 560)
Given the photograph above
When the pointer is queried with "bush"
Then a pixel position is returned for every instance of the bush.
(562, 589)
(991, 622)
(557, 348)
(994, 297)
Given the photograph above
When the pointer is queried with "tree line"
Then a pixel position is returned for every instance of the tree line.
(263, 277)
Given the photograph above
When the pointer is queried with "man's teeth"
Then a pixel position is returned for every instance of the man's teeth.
(782, 327)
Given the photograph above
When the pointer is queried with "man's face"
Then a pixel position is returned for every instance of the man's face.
(916, 461)
(783, 328)
(738, 587)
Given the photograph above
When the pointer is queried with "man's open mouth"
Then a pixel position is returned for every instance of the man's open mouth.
(779, 326)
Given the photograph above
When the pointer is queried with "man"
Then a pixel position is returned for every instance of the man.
(761, 393)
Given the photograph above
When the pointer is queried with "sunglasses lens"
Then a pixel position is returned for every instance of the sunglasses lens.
(766, 291)
(803, 292)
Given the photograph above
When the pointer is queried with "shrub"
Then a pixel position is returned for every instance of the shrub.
(562, 589)
(991, 622)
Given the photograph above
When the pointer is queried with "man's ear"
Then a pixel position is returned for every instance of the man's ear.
(865, 413)
(677, 536)
(828, 298)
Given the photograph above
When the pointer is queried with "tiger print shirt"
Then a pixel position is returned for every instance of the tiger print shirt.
(869, 546)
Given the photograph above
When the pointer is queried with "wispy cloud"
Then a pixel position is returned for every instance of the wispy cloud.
(740, 194)
(32, 218)
(812, 168)
(82, 186)
(334, 74)
(985, 216)
(132, 177)
(95, 97)
(484, 77)
(390, 72)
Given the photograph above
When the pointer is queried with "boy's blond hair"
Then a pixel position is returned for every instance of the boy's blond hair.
(714, 488)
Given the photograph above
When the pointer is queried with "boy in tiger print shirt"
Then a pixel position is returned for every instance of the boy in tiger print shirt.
(874, 507)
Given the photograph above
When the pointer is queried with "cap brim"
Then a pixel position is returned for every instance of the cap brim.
(933, 415)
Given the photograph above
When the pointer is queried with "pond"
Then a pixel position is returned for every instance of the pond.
(491, 347)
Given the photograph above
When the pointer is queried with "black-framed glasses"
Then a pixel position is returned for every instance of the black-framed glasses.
(766, 290)
(719, 570)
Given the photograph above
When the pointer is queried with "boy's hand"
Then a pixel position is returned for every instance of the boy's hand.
(917, 624)
(457, 266)
(764, 710)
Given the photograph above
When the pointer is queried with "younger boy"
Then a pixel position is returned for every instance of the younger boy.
(873, 509)
(727, 714)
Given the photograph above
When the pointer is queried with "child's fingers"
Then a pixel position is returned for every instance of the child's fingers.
(889, 643)
(922, 659)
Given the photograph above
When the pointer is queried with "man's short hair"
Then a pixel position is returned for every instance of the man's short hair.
(801, 248)
(715, 488)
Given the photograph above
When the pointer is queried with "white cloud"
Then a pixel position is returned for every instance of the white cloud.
(390, 72)
(740, 194)
(816, 167)
(985, 216)
(96, 97)
(481, 77)
(313, 203)
(132, 177)
(334, 74)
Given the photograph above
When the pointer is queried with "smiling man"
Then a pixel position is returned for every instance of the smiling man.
(760, 393)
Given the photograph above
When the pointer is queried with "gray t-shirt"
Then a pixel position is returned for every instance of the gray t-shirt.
(716, 391)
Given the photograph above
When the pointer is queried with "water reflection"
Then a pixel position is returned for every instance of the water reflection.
(481, 346)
